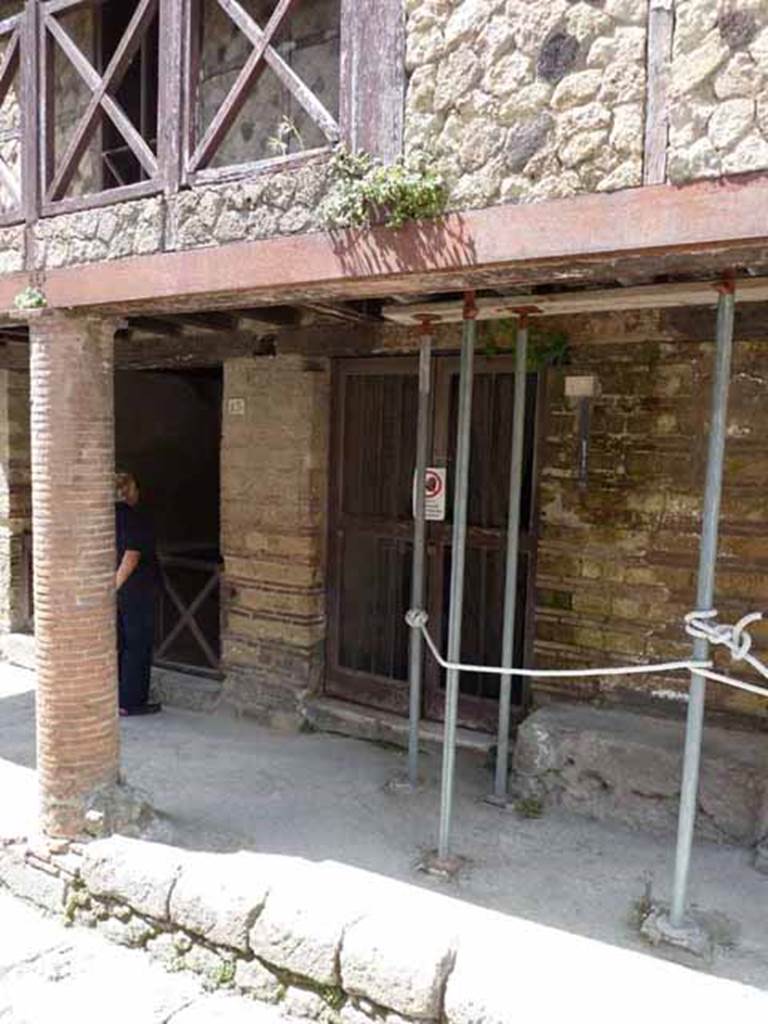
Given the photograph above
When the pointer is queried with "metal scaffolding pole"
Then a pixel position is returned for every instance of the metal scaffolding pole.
(419, 549)
(501, 780)
(704, 598)
(460, 494)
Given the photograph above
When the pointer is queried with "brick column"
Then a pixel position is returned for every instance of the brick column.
(71, 378)
(273, 518)
(15, 501)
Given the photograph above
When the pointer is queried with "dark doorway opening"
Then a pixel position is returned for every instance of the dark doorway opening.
(168, 434)
(372, 530)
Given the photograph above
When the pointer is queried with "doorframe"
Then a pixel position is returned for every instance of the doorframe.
(341, 368)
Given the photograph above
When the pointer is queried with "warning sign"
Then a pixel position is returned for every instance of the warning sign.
(434, 486)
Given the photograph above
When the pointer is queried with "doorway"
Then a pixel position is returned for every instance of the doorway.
(168, 434)
(374, 445)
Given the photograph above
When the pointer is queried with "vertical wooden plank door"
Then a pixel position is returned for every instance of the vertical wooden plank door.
(374, 445)
(374, 448)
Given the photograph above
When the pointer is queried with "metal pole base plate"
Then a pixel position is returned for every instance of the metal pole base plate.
(447, 868)
(691, 937)
(504, 803)
(761, 857)
(402, 784)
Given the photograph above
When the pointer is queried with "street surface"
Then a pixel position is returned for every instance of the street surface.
(51, 974)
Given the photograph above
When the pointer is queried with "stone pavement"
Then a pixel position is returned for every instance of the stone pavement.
(229, 786)
(50, 974)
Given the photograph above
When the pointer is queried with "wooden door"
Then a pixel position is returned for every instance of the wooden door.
(487, 512)
(371, 544)
(374, 446)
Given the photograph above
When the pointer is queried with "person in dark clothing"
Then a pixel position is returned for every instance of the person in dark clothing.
(136, 581)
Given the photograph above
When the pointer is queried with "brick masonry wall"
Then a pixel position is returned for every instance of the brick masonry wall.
(74, 549)
(273, 502)
(617, 559)
(15, 499)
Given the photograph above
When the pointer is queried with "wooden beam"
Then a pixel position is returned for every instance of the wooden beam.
(239, 93)
(8, 25)
(111, 79)
(373, 90)
(173, 324)
(114, 111)
(183, 350)
(155, 325)
(8, 69)
(31, 109)
(653, 296)
(170, 113)
(218, 323)
(333, 341)
(272, 316)
(10, 63)
(269, 165)
(108, 197)
(580, 238)
(661, 21)
(347, 314)
(316, 110)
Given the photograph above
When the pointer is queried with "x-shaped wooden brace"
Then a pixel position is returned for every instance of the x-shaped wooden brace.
(101, 99)
(187, 618)
(263, 53)
(8, 69)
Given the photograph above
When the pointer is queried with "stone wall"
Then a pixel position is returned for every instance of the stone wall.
(273, 507)
(108, 232)
(617, 558)
(282, 202)
(522, 100)
(15, 501)
(12, 249)
(719, 109)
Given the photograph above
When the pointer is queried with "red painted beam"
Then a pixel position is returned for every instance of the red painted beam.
(418, 258)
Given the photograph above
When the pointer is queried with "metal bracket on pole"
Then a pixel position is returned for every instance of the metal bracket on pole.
(676, 929)
(501, 780)
(443, 863)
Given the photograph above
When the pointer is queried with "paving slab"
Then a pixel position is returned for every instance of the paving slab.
(50, 974)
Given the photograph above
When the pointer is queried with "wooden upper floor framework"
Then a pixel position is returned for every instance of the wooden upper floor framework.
(103, 101)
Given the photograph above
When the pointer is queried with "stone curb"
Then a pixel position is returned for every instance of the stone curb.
(324, 942)
(331, 943)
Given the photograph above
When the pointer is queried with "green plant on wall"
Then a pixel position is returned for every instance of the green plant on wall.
(30, 298)
(545, 347)
(365, 191)
(286, 132)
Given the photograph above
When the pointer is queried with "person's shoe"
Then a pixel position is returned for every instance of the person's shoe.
(141, 709)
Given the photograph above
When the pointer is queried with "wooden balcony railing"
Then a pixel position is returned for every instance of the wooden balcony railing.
(107, 100)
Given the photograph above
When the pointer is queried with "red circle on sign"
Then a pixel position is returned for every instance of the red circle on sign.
(433, 485)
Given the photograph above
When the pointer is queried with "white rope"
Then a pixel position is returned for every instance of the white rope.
(735, 638)
(697, 624)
